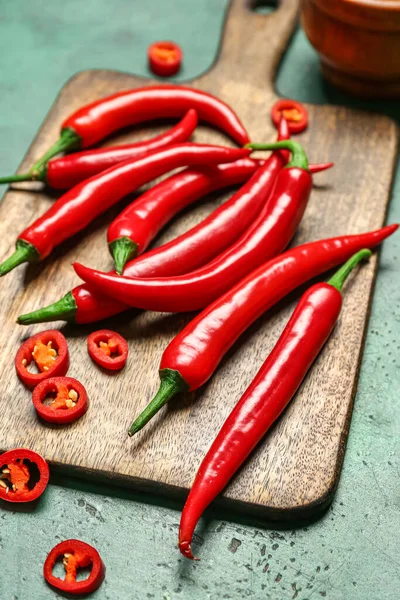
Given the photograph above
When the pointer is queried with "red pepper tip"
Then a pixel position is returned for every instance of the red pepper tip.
(186, 550)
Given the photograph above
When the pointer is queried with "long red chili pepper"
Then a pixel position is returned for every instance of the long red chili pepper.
(87, 200)
(131, 232)
(193, 355)
(186, 253)
(97, 120)
(268, 394)
(267, 236)
(67, 171)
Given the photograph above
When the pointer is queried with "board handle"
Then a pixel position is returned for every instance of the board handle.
(252, 44)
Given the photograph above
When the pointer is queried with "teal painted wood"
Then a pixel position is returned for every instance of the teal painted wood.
(351, 553)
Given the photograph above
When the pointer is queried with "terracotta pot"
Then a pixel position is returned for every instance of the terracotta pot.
(358, 42)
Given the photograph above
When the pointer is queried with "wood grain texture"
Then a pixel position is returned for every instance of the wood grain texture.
(295, 470)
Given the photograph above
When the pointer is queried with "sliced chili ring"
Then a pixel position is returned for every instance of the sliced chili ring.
(70, 401)
(49, 350)
(294, 112)
(24, 475)
(75, 554)
(108, 349)
(165, 58)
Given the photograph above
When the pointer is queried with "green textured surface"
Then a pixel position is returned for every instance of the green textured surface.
(349, 554)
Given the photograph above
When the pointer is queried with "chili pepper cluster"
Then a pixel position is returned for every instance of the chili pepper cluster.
(231, 267)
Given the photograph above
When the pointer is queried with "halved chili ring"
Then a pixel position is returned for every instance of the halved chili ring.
(69, 400)
(75, 554)
(24, 475)
(294, 112)
(108, 349)
(49, 350)
(165, 58)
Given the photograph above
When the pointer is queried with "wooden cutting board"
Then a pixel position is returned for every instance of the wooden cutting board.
(295, 470)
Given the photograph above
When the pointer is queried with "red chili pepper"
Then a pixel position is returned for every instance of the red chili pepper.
(69, 400)
(267, 236)
(193, 355)
(165, 58)
(24, 475)
(49, 350)
(97, 120)
(134, 228)
(266, 397)
(294, 112)
(108, 349)
(67, 171)
(76, 555)
(78, 207)
(186, 253)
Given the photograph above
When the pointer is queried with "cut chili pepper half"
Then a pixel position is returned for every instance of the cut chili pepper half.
(75, 555)
(294, 112)
(60, 400)
(165, 58)
(49, 351)
(24, 475)
(108, 349)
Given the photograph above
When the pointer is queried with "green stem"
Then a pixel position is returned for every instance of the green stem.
(122, 249)
(25, 252)
(172, 383)
(299, 157)
(68, 140)
(341, 275)
(62, 310)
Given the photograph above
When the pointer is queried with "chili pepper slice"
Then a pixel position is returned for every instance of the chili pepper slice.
(294, 112)
(186, 253)
(68, 402)
(49, 350)
(267, 236)
(75, 554)
(80, 205)
(165, 58)
(95, 121)
(193, 355)
(24, 475)
(266, 397)
(108, 349)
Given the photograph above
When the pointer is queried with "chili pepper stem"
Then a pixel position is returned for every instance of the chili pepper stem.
(122, 249)
(25, 252)
(172, 383)
(64, 309)
(299, 157)
(341, 274)
(68, 140)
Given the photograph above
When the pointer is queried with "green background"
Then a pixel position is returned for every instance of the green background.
(352, 552)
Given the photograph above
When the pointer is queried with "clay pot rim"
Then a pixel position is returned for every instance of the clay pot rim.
(364, 14)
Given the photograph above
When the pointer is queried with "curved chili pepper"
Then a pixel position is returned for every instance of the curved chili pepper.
(67, 171)
(267, 236)
(76, 554)
(69, 403)
(138, 224)
(49, 350)
(165, 58)
(193, 355)
(89, 199)
(186, 253)
(108, 349)
(294, 112)
(271, 390)
(24, 475)
(95, 121)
